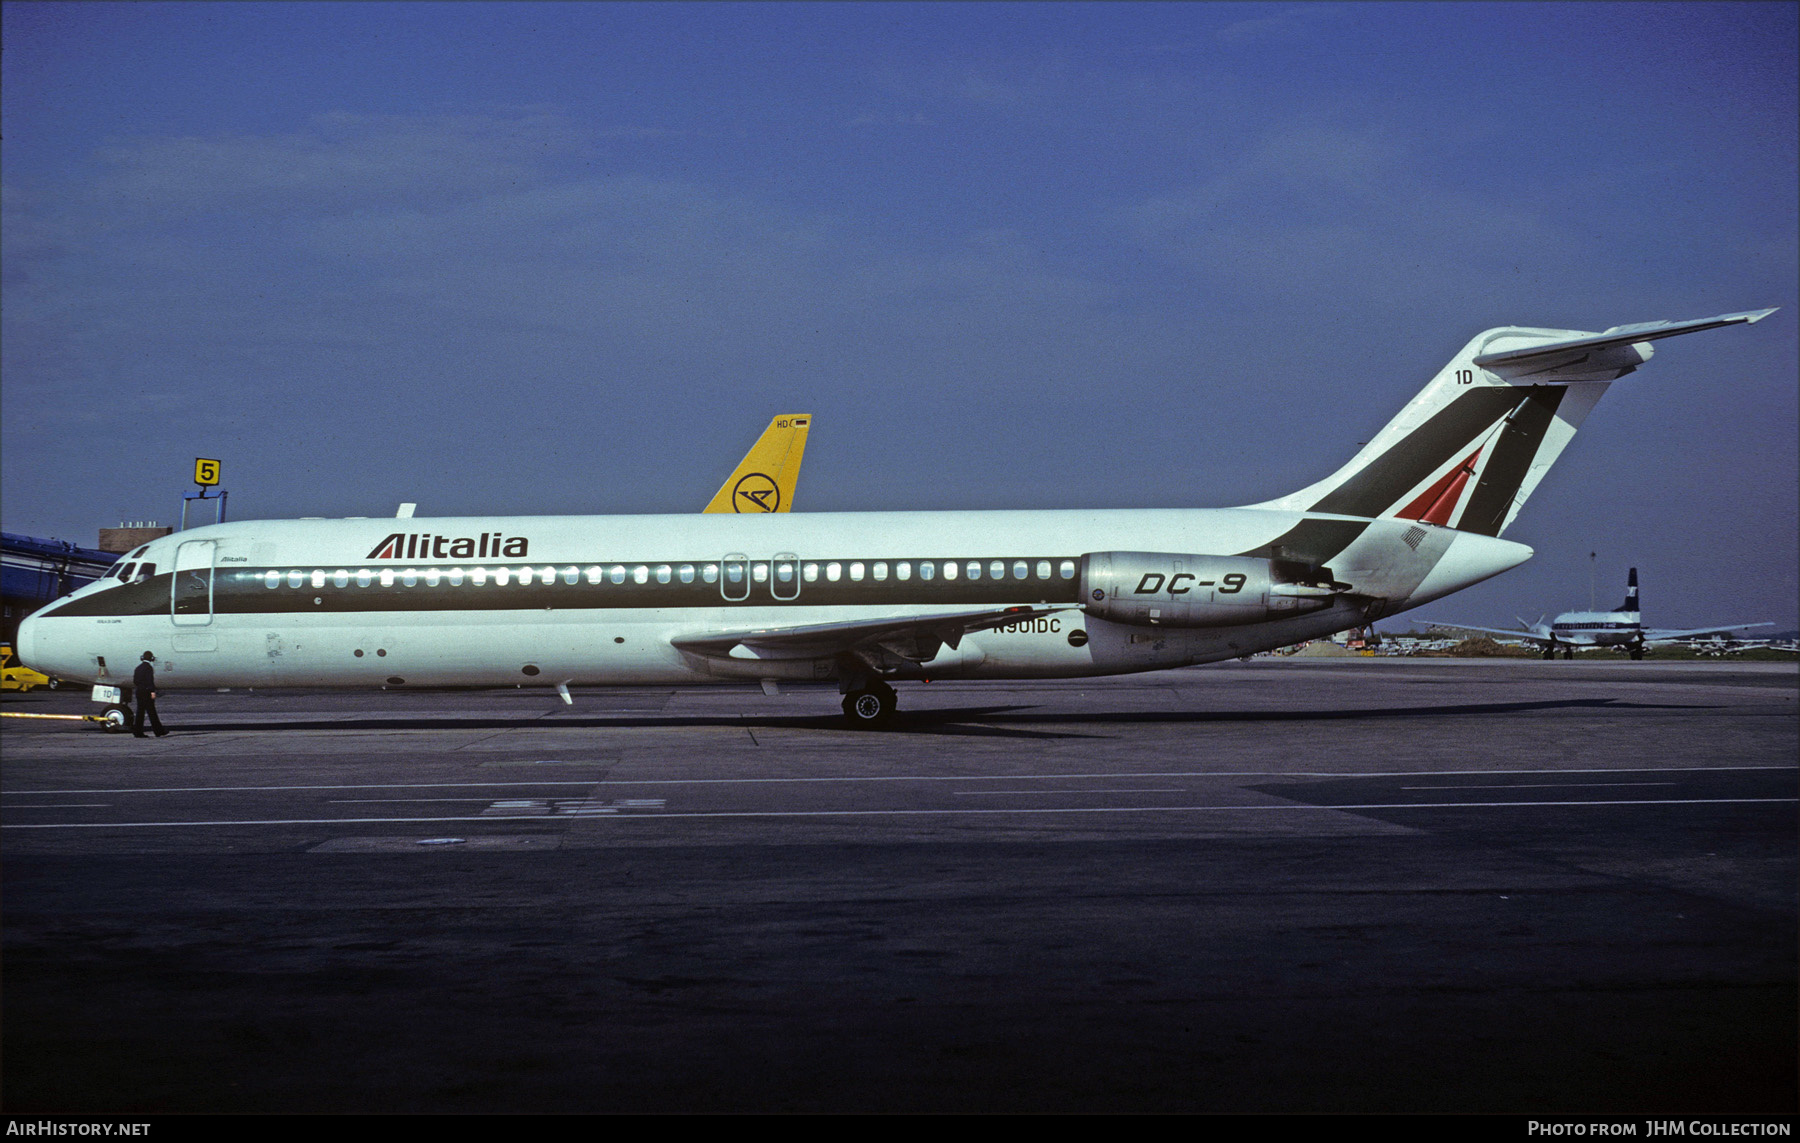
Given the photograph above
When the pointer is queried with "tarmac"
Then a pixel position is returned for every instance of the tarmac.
(1352, 885)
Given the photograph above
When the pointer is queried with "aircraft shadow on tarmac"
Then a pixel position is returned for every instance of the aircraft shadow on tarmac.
(976, 721)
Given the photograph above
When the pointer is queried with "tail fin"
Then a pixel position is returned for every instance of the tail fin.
(1473, 445)
(1631, 600)
(764, 481)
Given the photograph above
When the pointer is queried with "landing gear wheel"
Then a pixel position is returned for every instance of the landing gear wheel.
(1637, 653)
(118, 719)
(870, 709)
(1568, 652)
(1550, 652)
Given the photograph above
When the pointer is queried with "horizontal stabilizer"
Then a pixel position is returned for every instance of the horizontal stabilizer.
(1559, 354)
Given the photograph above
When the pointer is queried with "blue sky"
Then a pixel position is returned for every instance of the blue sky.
(526, 258)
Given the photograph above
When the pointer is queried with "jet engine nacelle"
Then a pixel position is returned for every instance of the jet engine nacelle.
(1166, 589)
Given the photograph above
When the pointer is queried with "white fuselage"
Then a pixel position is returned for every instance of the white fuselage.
(1596, 629)
(546, 600)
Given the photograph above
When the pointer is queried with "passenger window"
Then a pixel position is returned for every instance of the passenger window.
(1067, 570)
(502, 576)
(364, 577)
(759, 572)
(811, 572)
(856, 572)
(686, 574)
(340, 578)
(833, 571)
(595, 574)
(997, 569)
(640, 574)
(525, 575)
(478, 577)
(318, 577)
(387, 577)
(663, 573)
(974, 569)
(880, 570)
(1043, 569)
(272, 579)
(571, 574)
(710, 573)
(734, 572)
(903, 570)
(618, 573)
(456, 577)
(432, 576)
(949, 569)
(927, 569)
(296, 578)
(1020, 569)
(410, 577)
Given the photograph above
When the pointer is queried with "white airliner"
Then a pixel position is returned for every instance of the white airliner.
(1620, 627)
(860, 598)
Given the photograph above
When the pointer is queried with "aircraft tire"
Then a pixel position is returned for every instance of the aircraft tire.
(118, 719)
(1550, 652)
(870, 709)
(1637, 653)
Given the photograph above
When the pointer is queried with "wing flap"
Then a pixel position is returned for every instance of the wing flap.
(916, 638)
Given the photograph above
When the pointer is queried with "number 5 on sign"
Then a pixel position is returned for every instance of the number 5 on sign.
(206, 472)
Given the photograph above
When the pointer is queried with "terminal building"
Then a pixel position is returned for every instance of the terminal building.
(35, 571)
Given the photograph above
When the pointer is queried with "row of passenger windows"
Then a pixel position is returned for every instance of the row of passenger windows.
(854, 571)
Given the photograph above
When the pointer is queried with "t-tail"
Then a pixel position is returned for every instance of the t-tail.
(1469, 450)
(1631, 598)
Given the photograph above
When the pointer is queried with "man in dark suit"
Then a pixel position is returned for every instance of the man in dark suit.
(143, 681)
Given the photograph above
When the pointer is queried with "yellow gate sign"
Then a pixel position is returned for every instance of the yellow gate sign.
(206, 472)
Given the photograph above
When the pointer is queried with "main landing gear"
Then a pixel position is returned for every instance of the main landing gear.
(870, 707)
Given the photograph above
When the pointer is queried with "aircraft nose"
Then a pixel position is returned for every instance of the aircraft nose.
(25, 643)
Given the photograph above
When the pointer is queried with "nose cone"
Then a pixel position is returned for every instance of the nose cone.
(1468, 560)
(26, 642)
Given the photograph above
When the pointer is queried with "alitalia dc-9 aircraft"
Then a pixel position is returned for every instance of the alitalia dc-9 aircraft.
(860, 598)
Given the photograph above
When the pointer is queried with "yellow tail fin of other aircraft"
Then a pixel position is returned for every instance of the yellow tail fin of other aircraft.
(764, 481)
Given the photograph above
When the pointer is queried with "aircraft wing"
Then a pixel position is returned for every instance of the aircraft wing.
(1513, 633)
(1558, 354)
(916, 638)
(1659, 636)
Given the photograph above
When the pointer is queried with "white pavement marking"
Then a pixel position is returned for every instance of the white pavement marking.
(1295, 808)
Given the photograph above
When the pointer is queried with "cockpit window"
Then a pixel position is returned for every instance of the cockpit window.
(145, 571)
(125, 572)
(139, 552)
